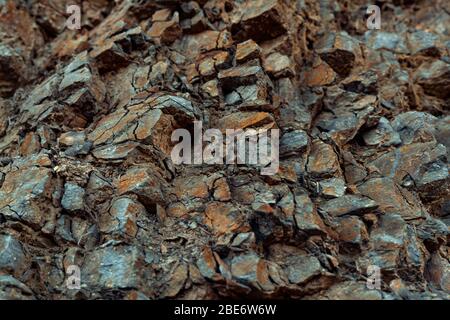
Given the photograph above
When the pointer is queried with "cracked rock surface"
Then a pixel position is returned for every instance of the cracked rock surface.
(87, 180)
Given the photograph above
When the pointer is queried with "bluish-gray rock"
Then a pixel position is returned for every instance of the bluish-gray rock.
(293, 142)
(73, 198)
(12, 257)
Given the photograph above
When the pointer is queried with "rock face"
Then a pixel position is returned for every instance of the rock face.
(12, 257)
(87, 180)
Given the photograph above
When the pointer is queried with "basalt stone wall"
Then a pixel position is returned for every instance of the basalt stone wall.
(86, 175)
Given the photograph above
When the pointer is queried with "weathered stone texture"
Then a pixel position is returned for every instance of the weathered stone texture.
(87, 177)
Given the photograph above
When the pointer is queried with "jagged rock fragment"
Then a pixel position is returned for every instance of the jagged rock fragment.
(348, 204)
